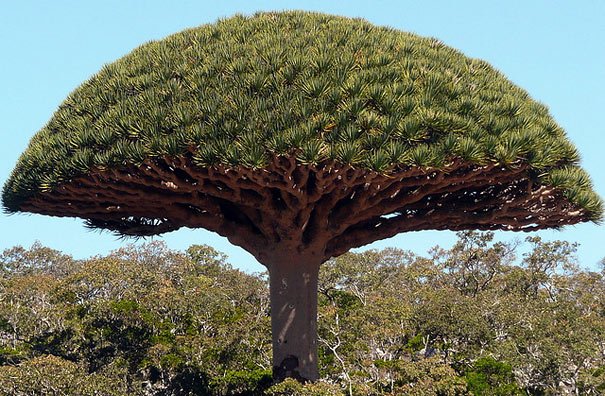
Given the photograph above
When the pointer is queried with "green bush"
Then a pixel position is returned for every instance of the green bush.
(490, 377)
(291, 387)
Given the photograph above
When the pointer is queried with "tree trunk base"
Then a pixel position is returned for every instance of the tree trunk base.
(288, 369)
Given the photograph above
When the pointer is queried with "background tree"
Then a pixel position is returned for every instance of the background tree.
(154, 320)
(299, 136)
(150, 321)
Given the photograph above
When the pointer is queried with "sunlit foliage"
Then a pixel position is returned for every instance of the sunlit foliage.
(319, 87)
(479, 318)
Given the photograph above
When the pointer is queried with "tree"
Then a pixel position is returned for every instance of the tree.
(299, 136)
(171, 322)
(51, 375)
(147, 320)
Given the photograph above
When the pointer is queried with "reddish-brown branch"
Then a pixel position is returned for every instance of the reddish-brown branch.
(489, 209)
(322, 209)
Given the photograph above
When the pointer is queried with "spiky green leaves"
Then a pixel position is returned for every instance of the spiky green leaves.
(315, 86)
(577, 187)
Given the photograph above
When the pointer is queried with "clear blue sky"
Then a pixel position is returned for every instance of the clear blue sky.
(554, 49)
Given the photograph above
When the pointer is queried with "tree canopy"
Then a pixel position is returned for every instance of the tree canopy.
(323, 89)
(480, 317)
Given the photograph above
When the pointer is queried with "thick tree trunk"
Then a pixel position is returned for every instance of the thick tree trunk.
(293, 287)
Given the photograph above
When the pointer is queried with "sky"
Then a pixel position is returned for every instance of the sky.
(553, 49)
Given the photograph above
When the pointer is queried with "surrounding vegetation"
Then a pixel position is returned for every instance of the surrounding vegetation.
(481, 318)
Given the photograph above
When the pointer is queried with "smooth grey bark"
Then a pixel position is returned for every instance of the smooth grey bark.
(293, 289)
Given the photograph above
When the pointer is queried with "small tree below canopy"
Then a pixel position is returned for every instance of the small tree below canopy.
(299, 136)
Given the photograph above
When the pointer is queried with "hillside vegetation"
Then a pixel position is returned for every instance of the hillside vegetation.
(480, 318)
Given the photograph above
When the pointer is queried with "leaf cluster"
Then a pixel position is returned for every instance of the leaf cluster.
(245, 89)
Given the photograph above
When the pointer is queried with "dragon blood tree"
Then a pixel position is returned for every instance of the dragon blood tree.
(299, 136)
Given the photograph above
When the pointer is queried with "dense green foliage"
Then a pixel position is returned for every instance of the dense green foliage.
(150, 321)
(320, 87)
